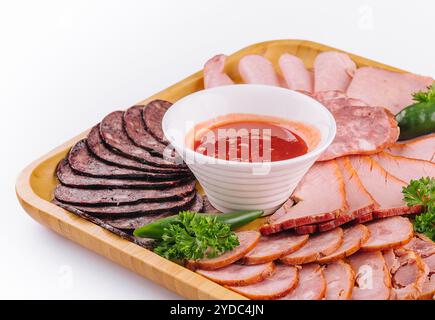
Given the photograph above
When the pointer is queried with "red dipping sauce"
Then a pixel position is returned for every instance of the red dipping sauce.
(250, 141)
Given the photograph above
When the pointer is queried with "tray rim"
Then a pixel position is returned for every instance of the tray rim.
(138, 259)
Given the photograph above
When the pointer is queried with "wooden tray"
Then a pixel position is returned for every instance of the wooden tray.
(35, 186)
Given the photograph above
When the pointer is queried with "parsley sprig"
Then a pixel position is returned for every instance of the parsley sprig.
(427, 96)
(422, 192)
(194, 236)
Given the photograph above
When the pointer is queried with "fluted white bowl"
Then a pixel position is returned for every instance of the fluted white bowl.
(232, 185)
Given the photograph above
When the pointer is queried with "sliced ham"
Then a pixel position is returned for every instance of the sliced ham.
(311, 285)
(372, 278)
(281, 282)
(247, 241)
(392, 90)
(256, 69)
(270, 248)
(360, 202)
(421, 245)
(361, 130)
(214, 75)
(239, 275)
(308, 229)
(333, 71)
(363, 218)
(385, 188)
(388, 233)
(408, 274)
(336, 99)
(405, 169)
(317, 247)
(353, 238)
(313, 205)
(296, 76)
(422, 148)
(339, 278)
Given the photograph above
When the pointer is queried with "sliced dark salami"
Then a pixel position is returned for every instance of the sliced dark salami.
(135, 129)
(88, 197)
(208, 207)
(99, 149)
(113, 134)
(153, 115)
(71, 179)
(132, 210)
(136, 222)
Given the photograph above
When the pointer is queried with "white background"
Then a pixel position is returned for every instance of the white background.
(65, 64)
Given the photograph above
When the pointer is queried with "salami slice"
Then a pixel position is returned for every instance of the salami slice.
(339, 278)
(88, 197)
(153, 115)
(354, 237)
(99, 149)
(136, 222)
(71, 179)
(272, 247)
(317, 247)
(214, 75)
(247, 239)
(283, 280)
(135, 129)
(311, 284)
(113, 134)
(388, 233)
(238, 274)
(132, 210)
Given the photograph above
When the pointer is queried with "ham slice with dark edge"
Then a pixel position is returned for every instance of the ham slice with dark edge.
(388, 233)
(214, 75)
(366, 217)
(425, 247)
(295, 74)
(360, 202)
(385, 188)
(308, 229)
(372, 279)
(379, 87)
(273, 247)
(353, 238)
(339, 280)
(247, 241)
(408, 273)
(317, 246)
(239, 275)
(313, 205)
(405, 169)
(333, 71)
(256, 69)
(422, 148)
(311, 285)
(277, 285)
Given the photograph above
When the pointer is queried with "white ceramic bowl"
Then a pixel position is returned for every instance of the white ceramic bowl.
(232, 185)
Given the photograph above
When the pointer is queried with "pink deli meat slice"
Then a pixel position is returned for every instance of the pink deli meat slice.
(256, 69)
(392, 90)
(385, 188)
(214, 75)
(239, 275)
(372, 278)
(313, 205)
(422, 148)
(272, 247)
(247, 241)
(311, 285)
(333, 71)
(308, 229)
(317, 247)
(354, 237)
(388, 233)
(405, 169)
(339, 278)
(281, 282)
(296, 76)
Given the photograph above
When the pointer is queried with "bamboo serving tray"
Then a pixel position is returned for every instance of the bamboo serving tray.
(37, 181)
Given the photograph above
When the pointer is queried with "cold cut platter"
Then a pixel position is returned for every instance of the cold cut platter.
(337, 205)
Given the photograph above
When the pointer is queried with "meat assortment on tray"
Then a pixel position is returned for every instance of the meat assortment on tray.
(345, 232)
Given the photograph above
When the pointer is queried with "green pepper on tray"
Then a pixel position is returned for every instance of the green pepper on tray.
(418, 119)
